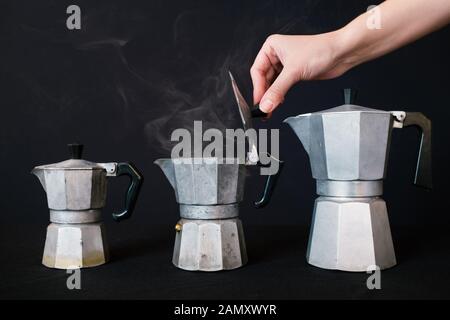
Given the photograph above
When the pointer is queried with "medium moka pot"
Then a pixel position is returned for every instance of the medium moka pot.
(348, 148)
(209, 235)
(76, 194)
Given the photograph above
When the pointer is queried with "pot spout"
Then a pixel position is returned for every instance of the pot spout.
(41, 176)
(167, 167)
(300, 125)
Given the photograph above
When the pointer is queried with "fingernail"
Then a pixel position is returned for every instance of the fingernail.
(266, 105)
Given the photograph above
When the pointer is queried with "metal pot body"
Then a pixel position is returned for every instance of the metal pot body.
(75, 189)
(350, 145)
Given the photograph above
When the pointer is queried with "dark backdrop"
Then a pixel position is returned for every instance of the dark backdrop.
(136, 69)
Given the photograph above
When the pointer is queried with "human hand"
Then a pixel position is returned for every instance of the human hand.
(285, 60)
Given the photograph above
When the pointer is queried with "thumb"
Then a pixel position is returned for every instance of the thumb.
(275, 94)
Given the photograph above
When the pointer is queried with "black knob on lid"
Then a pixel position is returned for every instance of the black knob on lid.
(76, 150)
(349, 96)
(257, 113)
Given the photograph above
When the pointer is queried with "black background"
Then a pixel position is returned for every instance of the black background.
(137, 69)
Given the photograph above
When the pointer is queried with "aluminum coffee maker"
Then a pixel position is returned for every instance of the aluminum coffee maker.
(348, 148)
(209, 236)
(76, 194)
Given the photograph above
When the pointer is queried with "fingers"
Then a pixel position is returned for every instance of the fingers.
(260, 84)
(274, 95)
(264, 69)
(261, 67)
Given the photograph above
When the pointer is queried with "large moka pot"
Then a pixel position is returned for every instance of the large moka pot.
(348, 148)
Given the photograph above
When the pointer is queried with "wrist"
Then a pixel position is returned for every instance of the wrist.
(346, 47)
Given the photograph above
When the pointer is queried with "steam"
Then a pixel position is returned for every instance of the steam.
(212, 100)
(171, 71)
(211, 104)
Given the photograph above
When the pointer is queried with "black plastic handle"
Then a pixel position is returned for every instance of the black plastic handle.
(136, 180)
(271, 182)
(423, 175)
(76, 150)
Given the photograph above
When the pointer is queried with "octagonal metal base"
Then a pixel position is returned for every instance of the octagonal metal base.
(73, 246)
(209, 245)
(350, 234)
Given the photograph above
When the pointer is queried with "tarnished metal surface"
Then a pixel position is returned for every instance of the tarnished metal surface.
(189, 211)
(358, 188)
(209, 237)
(72, 246)
(76, 193)
(352, 142)
(110, 168)
(67, 216)
(350, 234)
(206, 181)
(209, 245)
(348, 147)
(345, 143)
(74, 189)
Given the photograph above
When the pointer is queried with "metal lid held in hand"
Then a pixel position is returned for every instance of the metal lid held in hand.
(246, 116)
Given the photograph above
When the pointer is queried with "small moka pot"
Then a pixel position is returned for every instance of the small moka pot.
(76, 194)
